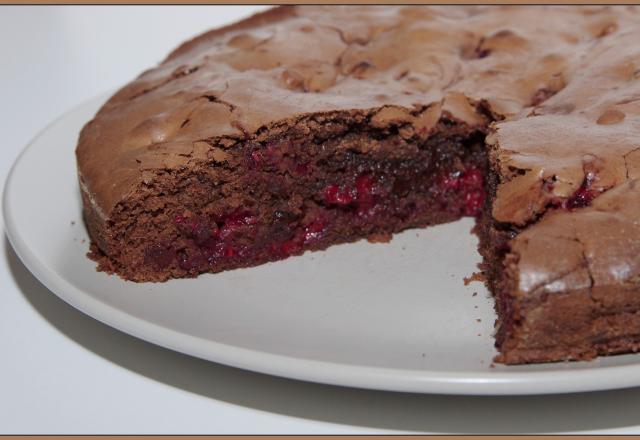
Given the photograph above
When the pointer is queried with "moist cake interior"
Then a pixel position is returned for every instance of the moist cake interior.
(296, 192)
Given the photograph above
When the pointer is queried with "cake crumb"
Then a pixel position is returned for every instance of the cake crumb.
(476, 276)
(475, 307)
(475, 294)
(478, 320)
(492, 365)
(73, 222)
(379, 238)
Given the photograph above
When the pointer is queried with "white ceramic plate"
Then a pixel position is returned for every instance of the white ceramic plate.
(393, 316)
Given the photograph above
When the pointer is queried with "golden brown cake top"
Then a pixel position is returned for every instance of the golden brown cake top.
(565, 81)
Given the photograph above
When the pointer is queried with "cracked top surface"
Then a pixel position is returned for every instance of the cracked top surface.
(565, 81)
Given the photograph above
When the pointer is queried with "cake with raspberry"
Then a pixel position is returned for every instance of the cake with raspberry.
(303, 127)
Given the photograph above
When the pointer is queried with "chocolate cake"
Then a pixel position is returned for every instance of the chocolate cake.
(303, 127)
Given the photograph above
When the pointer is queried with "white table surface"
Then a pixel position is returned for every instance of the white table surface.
(61, 372)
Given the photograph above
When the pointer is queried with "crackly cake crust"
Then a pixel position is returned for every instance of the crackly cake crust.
(561, 83)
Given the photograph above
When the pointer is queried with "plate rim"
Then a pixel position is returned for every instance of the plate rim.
(316, 371)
